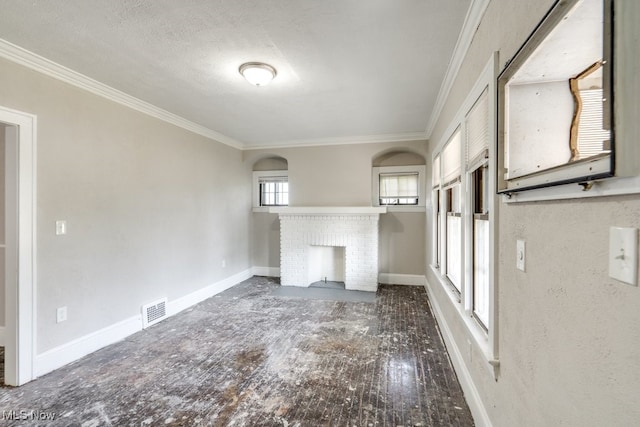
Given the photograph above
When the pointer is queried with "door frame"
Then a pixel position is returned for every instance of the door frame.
(20, 252)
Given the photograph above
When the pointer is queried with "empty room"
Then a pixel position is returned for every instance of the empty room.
(304, 213)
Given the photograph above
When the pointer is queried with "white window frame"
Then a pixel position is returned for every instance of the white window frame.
(485, 339)
(257, 176)
(376, 171)
(436, 210)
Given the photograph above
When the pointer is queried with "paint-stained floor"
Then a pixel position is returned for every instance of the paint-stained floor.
(247, 357)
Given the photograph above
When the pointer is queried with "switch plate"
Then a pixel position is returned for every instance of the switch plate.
(623, 254)
(61, 314)
(520, 255)
(61, 227)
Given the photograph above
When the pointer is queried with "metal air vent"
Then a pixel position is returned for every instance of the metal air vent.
(154, 312)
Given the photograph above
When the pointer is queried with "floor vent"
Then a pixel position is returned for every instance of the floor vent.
(154, 312)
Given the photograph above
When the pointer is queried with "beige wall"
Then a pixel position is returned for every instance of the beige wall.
(340, 175)
(401, 248)
(146, 211)
(265, 240)
(569, 336)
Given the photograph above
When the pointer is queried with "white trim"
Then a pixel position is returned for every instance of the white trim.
(607, 187)
(471, 392)
(200, 295)
(42, 65)
(402, 279)
(1, 336)
(471, 22)
(330, 210)
(340, 140)
(265, 271)
(407, 208)
(261, 209)
(20, 227)
(69, 352)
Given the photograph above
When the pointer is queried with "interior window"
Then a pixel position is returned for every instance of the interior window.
(399, 189)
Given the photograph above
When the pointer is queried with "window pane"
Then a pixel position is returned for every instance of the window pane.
(454, 250)
(399, 189)
(481, 270)
(274, 191)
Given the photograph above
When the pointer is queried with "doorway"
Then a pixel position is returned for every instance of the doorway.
(3, 246)
(18, 249)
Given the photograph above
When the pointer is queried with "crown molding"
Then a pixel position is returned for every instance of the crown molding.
(471, 22)
(341, 140)
(45, 66)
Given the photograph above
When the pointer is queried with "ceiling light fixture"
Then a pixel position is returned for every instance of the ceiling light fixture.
(258, 73)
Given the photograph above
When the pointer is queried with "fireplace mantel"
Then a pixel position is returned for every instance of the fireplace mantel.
(328, 210)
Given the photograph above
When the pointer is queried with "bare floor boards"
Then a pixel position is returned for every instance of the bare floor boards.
(248, 358)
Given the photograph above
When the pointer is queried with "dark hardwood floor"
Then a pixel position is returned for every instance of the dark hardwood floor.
(247, 357)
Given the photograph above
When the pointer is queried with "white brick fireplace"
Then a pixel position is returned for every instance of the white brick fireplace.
(353, 228)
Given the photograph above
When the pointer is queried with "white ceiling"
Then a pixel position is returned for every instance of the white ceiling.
(347, 69)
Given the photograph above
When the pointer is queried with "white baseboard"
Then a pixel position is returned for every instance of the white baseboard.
(182, 303)
(402, 279)
(69, 352)
(266, 271)
(471, 394)
(62, 355)
(1, 336)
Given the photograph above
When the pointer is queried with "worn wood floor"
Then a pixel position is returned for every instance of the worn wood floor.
(248, 358)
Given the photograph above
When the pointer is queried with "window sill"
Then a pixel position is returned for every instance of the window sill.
(261, 209)
(605, 187)
(396, 208)
(473, 329)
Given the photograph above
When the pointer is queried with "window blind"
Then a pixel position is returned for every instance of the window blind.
(477, 129)
(266, 179)
(403, 185)
(436, 171)
(451, 158)
(591, 135)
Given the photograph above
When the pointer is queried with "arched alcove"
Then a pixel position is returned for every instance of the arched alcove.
(274, 163)
(398, 157)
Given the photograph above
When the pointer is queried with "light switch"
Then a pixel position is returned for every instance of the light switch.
(61, 227)
(623, 254)
(520, 255)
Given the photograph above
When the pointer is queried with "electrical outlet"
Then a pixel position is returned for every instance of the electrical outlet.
(61, 227)
(61, 314)
(224, 263)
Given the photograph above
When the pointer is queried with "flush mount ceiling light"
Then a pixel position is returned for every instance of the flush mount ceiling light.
(258, 73)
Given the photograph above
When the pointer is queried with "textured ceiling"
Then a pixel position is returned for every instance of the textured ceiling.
(347, 69)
